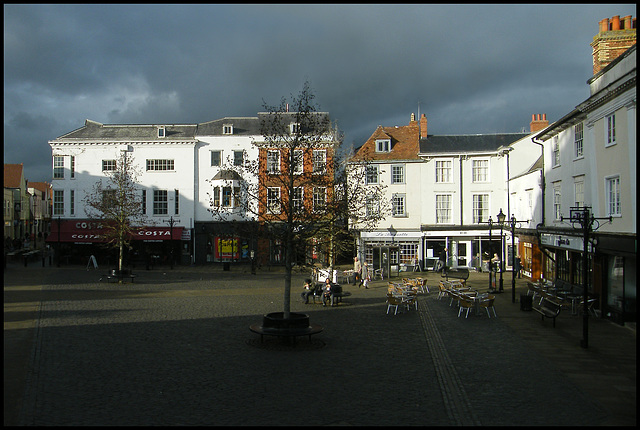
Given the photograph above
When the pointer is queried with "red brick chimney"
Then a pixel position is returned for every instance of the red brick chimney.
(423, 126)
(615, 36)
(538, 122)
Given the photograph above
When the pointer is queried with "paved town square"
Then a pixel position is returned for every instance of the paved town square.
(174, 348)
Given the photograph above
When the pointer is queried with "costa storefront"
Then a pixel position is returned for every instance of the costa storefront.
(77, 240)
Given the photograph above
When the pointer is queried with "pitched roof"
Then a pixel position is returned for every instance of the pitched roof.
(140, 132)
(467, 142)
(12, 175)
(40, 186)
(404, 143)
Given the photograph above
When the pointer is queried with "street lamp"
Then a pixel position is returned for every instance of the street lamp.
(171, 223)
(490, 227)
(581, 218)
(501, 217)
(513, 221)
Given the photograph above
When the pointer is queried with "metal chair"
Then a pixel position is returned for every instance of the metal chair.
(488, 304)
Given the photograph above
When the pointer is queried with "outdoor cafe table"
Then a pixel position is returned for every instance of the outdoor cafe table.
(476, 298)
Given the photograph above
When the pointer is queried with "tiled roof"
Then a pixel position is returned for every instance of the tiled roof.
(12, 175)
(404, 143)
(40, 186)
(142, 132)
(467, 142)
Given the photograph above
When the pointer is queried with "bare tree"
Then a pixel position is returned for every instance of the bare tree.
(117, 204)
(289, 190)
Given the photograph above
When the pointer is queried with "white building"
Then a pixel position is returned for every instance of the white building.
(164, 157)
(444, 190)
(590, 160)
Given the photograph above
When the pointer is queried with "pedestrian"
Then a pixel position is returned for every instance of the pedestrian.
(307, 290)
(518, 267)
(326, 292)
(357, 270)
(442, 260)
(366, 277)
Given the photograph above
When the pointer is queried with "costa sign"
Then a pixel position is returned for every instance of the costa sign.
(147, 233)
(88, 225)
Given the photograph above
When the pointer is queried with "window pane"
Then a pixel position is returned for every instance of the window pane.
(216, 158)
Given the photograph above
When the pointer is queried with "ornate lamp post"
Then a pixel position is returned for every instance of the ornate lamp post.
(490, 227)
(582, 217)
(501, 217)
(171, 224)
(513, 221)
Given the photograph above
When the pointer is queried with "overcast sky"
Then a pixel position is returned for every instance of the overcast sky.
(472, 68)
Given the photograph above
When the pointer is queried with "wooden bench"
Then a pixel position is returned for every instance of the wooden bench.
(548, 308)
(120, 275)
(458, 273)
(338, 294)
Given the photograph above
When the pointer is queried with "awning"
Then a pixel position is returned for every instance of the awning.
(85, 231)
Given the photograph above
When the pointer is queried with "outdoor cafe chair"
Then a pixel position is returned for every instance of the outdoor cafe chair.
(393, 301)
(465, 303)
(488, 304)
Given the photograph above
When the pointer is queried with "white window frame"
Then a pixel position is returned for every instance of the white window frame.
(273, 200)
(443, 208)
(273, 161)
(227, 196)
(399, 205)
(109, 165)
(238, 158)
(610, 130)
(613, 196)
(215, 158)
(58, 202)
(444, 171)
(227, 129)
(319, 161)
(72, 167)
(372, 175)
(294, 127)
(383, 145)
(160, 202)
(319, 199)
(557, 201)
(58, 167)
(298, 161)
(555, 152)
(397, 174)
(480, 172)
(298, 199)
(480, 208)
(578, 191)
(162, 132)
(578, 140)
(160, 165)
(372, 206)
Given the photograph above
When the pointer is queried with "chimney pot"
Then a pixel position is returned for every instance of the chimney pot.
(627, 22)
(615, 24)
(604, 25)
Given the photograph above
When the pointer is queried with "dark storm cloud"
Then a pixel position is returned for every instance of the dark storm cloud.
(472, 68)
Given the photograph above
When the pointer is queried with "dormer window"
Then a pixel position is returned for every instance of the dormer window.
(383, 145)
(227, 129)
(295, 127)
(161, 131)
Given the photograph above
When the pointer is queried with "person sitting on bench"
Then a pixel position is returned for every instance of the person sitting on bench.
(307, 291)
(326, 292)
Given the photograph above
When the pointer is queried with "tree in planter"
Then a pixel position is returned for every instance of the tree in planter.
(117, 204)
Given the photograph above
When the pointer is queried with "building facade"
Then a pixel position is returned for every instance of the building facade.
(592, 163)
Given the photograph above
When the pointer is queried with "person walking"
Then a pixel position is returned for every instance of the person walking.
(357, 270)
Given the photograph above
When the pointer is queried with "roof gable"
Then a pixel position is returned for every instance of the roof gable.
(13, 175)
(404, 144)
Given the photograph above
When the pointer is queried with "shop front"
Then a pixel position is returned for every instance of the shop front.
(471, 248)
(77, 240)
(392, 251)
